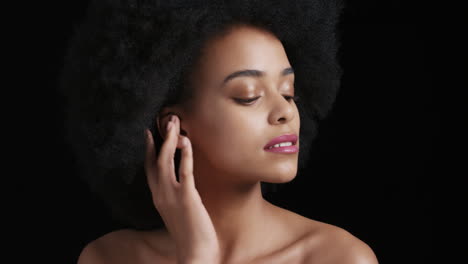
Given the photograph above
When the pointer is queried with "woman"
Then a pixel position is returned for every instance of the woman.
(219, 81)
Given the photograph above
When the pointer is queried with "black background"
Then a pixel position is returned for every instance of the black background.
(376, 167)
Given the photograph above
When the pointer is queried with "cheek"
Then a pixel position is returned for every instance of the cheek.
(232, 140)
(232, 137)
(227, 135)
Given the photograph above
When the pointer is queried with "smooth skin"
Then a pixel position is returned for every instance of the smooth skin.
(216, 213)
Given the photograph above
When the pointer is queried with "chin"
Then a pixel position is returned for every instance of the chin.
(286, 178)
(282, 176)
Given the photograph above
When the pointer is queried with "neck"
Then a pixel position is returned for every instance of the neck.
(242, 218)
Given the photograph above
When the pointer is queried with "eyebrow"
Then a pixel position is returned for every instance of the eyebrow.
(253, 73)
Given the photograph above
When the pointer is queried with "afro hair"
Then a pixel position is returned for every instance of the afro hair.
(127, 59)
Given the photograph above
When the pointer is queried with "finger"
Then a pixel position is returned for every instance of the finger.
(150, 158)
(166, 155)
(186, 164)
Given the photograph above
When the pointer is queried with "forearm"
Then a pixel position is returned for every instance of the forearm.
(200, 261)
(209, 259)
(199, 255)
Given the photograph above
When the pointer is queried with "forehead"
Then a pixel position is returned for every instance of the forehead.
(242, 47)
(243, 39)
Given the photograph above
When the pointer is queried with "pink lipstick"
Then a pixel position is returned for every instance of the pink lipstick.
(284, 144)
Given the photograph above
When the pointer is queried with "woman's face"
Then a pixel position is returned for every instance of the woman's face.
(228, 136)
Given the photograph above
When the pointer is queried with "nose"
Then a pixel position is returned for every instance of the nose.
(282, 110)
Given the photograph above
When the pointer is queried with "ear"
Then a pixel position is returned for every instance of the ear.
(163, 119)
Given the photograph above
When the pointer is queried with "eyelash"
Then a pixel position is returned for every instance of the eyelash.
(248, 101)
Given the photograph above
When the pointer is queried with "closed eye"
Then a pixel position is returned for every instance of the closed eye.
(249, 101)
(294, 98)
(246, 101)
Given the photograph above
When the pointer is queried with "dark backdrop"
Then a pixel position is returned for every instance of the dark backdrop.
(373, 165)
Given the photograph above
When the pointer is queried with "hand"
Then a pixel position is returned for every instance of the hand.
(179, 203)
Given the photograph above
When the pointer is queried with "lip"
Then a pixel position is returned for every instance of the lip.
(284, 138)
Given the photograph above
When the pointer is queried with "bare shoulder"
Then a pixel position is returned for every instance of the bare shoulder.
(118, 246)
(91, 254)
(331, 244)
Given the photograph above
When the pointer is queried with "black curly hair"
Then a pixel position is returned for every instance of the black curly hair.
(128, 59)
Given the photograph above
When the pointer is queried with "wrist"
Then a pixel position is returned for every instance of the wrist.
(198, 262)
(207, 255)
(213, 259)
(201, 260)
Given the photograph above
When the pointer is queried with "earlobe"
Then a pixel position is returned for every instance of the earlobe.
(164, 116)
(162, 122)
